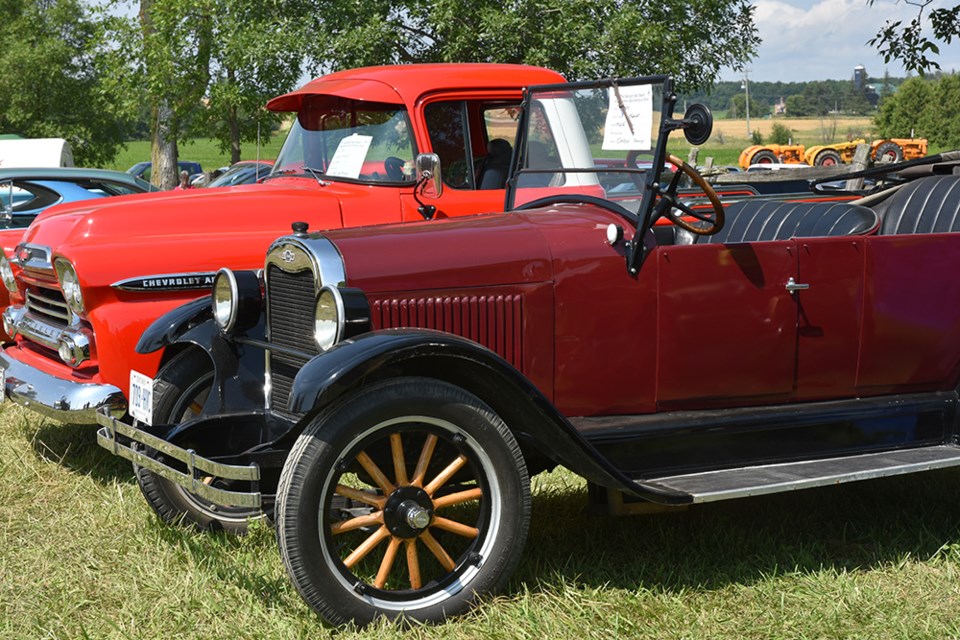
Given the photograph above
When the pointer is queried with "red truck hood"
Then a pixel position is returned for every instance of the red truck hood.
(183, 231)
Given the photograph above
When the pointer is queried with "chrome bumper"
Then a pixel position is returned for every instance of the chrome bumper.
(57, 398)
(191, 480)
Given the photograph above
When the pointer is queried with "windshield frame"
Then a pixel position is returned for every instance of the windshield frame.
(643, 220)
(327, 141)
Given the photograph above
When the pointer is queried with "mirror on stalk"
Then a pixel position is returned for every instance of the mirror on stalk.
(429, 179)
(698, 124)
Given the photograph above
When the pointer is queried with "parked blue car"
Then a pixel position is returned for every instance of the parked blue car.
(24, 193)
(142, 169)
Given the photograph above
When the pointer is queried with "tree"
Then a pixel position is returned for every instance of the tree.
(738, 107)
(905, 113)
(909, 44)
(692, 39)
(258, 52)
(50, 79)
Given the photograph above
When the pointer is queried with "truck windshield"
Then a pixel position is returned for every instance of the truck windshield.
(590, 140)
(350, 140)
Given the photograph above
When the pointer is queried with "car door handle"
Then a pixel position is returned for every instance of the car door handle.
(792, 285)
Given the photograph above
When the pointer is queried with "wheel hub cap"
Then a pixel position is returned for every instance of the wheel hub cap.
(408, 512)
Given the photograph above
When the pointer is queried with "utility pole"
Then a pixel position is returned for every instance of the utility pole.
(746, 88)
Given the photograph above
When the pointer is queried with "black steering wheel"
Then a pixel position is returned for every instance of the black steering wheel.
(708, 222)
(394, 168)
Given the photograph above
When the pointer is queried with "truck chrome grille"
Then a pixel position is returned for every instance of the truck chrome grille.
(291, 297)
(48, 303)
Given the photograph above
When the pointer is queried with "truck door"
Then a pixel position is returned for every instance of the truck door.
(474, 138)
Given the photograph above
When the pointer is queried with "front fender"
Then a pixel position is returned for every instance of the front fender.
(419, 352)
(170, 327)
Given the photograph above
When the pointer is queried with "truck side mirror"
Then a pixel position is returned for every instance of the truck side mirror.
(429, 178)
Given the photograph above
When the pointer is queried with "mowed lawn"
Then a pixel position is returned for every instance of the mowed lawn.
(84, 557)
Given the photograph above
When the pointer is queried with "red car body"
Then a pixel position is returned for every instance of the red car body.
(141, 257)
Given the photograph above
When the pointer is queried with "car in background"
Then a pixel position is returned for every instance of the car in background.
(142, 169)
(24, 193)
(243, 172)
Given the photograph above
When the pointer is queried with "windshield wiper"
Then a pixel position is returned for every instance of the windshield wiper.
(316, 175)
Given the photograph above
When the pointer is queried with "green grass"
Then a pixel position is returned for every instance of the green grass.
(206, 151)
(84, 557)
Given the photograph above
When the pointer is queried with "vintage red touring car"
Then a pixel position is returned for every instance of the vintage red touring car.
(386, 393)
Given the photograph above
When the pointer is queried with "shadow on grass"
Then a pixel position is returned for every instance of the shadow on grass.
(74, 447)
(857, 526)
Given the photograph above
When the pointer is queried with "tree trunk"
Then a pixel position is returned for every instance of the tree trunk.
(233, 123)
(163, 148)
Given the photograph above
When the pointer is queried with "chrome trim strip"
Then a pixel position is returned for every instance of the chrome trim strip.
(107, 438)
(195, 281)
(54, 397)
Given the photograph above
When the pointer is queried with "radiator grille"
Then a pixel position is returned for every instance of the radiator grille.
(48, 303)
(291, 298)
(495, 321)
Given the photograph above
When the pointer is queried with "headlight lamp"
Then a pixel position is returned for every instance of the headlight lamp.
(236, 299)
(328, 318)
(6, 274)
(69, 285)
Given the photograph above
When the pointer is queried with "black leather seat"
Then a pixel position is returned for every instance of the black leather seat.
(926, 205)
(496, 165)
(765, 220)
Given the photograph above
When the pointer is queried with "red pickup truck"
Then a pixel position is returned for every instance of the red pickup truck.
(91, 278)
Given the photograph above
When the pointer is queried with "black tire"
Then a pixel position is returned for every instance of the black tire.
(180, 388)
(324, 476)
(827, 158)
(888, 152)
(764, 156)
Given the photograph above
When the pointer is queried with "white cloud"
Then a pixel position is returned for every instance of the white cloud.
(826, 39)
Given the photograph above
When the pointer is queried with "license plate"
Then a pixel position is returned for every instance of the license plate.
(141, 397)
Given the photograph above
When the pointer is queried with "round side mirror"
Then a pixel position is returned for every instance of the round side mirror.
(698, 124)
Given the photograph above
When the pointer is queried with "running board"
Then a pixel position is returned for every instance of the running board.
(711, 486)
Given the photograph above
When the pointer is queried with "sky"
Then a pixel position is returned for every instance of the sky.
(825, 39)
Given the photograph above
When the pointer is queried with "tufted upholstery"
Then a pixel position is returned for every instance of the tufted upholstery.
(926, 205)
(760, 220)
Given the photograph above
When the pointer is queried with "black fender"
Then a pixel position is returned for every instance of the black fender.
(238, 366)
(419, 352)
(168, 328)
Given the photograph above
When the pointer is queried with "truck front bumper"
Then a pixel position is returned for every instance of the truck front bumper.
(65, 400)
(194, 472)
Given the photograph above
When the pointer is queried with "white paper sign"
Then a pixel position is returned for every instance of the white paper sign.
(348, 160)
(629, 118)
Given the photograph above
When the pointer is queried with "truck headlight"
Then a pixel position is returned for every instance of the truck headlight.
(328, 318)
(236, 299)
(70, 285)
(6, 273)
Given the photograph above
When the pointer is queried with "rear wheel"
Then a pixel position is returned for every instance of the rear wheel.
(408, 500)
(180, 390)
(827, 158)
(889, 152)
(764, 156)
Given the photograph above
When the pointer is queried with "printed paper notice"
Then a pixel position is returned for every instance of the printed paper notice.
(629, 118)
(348, 160)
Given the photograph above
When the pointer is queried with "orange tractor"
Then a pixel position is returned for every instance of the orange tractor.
(882, 150)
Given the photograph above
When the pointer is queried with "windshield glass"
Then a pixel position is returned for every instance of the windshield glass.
(342, 139)
(590, 139)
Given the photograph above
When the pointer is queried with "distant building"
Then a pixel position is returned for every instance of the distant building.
(860, 77)
(780, 107)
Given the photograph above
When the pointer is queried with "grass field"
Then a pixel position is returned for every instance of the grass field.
(83, 557)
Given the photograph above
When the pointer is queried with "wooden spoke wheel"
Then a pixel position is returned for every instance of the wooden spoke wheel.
(407, 501)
